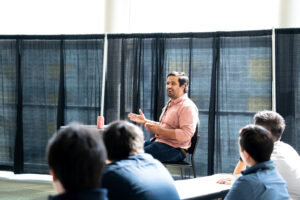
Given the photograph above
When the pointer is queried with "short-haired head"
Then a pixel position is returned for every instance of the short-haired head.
(257, 141)
(182, 78)
(272, 121)
(77, 157)
(123, 139)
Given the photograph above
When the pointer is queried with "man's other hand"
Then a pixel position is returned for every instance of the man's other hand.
(152, 127)
(226, 181)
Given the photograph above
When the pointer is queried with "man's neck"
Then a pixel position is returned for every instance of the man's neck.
(251, 162)
(59, 187)
(173, 99)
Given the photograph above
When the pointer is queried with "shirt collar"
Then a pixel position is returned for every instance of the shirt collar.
(260, 166)
(179, 99)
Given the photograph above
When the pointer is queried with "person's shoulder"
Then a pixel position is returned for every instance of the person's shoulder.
(286, 145)
(285, 150)
(149, 160)
(247, 179)
(115, 168)
(89, 194)
(150, 163)
(137, 161)
(114, 175)
(188, 104)
(253, 180)
(242, 188)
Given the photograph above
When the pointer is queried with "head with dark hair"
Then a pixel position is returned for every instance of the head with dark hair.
(272, 121)
(182, 79)
(76, 157)
(122, 139)
(257, 141)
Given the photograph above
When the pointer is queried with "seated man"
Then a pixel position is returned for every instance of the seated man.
(176, 125)
(286, 159)
(76, 157)
(260, 180)
(131, 173)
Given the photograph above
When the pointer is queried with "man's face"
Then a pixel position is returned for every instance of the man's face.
(173, 89)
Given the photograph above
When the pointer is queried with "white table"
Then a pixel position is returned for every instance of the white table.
(8, 175)
(202, 187)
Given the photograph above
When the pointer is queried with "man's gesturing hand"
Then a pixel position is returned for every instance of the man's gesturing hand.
(140, 119)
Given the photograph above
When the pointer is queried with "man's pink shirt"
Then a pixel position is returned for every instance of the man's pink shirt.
(181, 115)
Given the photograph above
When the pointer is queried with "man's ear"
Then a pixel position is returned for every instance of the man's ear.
(53, 175)
(246, 154)
(183, 86)
(56, 183)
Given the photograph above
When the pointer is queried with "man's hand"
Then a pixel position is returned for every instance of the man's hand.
(226, 181)
(140, 119)
(153, 127)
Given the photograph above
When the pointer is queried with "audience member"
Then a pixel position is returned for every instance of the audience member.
(260, 180)
(176, 125)
(131, 173)
(285, 157)
(76, 157)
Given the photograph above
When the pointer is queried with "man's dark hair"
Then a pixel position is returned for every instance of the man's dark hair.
(272, 121)
(122, 139)
(182, 78)
(77, 156)
(257, 141)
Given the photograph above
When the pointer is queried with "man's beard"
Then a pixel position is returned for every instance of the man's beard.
(170, 94)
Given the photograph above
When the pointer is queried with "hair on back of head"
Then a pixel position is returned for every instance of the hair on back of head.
(77, 156)
(257, 141)
(272, 121)
(123, 139)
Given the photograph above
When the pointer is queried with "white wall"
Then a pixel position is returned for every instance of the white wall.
(203, 15)
(51, 16)
(142, 16)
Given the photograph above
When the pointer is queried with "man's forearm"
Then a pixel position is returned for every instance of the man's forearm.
(169, 133)
(150, 121)
(239, 167)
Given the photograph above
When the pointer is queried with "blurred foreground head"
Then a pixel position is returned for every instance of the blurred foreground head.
(76, 157)
(123, 139)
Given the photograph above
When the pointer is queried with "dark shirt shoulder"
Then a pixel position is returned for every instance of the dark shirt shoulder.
(93, 194)
(138, 177)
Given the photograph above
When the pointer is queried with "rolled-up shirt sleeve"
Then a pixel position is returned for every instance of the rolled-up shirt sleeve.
(188, 119)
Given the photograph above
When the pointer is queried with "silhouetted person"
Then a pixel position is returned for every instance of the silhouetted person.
(132, 174)
(285, 157)
(76, 157)
(177, 123)
(260, 180)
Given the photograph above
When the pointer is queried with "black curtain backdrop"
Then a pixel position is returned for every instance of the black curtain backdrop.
(46, 82)
(49, 81)
(8, 101)
(243, 87)
(288, 83)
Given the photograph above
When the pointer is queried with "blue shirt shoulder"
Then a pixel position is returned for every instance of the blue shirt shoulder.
(92, 194)
(261, 182)
(139, 177)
